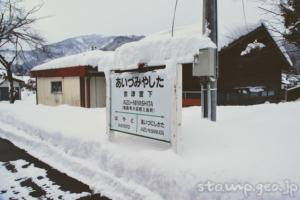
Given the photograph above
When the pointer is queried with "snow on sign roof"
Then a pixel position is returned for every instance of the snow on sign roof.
(161, 48)
(89, 58)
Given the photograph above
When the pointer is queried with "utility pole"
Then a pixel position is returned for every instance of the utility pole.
(210, 22)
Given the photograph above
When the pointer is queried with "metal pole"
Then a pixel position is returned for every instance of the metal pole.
(210, 16)
(209, 100)
(202, 100)
(205, 98)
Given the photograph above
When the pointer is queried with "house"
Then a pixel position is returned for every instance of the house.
(5, 88)
(73, 80)
(31, 84)
(250, 69)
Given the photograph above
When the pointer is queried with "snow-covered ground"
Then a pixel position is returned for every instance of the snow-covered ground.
(250, 146)
(12, 183)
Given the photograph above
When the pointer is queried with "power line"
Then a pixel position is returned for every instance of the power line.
(245, 18)
(173, 23)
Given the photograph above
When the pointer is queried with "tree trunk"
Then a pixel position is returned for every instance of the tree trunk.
(12, 93)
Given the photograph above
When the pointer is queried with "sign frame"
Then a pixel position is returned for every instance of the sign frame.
(176, 105)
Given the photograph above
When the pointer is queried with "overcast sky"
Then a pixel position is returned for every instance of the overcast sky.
(70, 18)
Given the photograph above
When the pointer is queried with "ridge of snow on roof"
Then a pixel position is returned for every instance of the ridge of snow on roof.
(17, 78)
(3, 76)
(243, 31)
(279, 44)
(161, 48)
(89, 58)
(236, 34)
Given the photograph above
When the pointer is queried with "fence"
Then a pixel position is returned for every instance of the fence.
(292, 94)
(232, 97)
(191, 98)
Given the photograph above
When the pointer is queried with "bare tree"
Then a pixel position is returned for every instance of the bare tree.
(290, 10)
(16, 33)
(286, 13)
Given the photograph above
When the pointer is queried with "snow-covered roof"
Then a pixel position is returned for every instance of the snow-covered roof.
(161, 48)
(290, 79)
(4, 79)
(3, 76)
(89, 58)
(23, 78)
(237, 33)
(277, 41)
(17, 78)
(243, 31)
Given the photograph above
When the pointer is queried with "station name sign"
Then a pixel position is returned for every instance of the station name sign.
(140, 104)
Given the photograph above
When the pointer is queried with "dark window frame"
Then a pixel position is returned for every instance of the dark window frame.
(56, 87)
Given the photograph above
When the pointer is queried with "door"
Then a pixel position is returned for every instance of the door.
(4, 94)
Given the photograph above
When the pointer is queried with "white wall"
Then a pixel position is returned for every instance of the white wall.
(98, 92)
(70, 91)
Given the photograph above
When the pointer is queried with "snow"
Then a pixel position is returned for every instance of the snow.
(4, 80)
(248, 144)
(237, 33)
(160, 49)
(89, 58)
(280, 42)
(157, 49)
(290, 80)
(11, 182)
(240, 31)
(251, 47)
(23, 78)
(256, 89)
(3, 74)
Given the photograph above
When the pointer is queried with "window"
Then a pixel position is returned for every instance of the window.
(271, 93)
(56, 87)
(264, 93)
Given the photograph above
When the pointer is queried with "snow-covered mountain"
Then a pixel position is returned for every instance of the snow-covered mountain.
(69, 47)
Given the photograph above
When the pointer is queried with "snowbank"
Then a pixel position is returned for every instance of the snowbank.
(255, 144)
(89, 58)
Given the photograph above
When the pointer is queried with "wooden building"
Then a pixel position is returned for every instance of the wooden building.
(250, 69)
(5, 87)
(73, 80)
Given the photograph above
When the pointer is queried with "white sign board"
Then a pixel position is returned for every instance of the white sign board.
(141, 104)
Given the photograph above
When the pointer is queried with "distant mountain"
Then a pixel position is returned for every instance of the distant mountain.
(68, 47)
